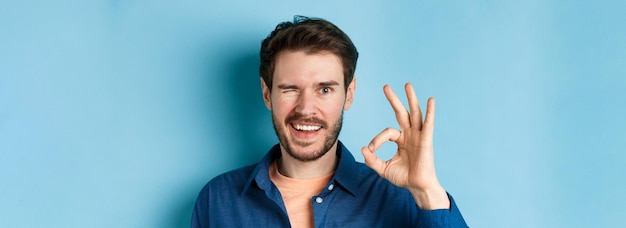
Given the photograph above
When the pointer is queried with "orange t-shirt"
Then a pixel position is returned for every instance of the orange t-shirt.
(297, 195)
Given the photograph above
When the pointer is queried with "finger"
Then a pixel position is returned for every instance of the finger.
(373, 161)
(402, 116)
(389, 134)
(429, 122)
(415, 115)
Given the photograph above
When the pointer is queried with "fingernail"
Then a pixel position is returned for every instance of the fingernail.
(371, 147)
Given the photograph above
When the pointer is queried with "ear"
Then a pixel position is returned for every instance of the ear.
(350, 94)
(266, 94)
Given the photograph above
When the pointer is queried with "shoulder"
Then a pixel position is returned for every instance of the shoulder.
(366, 173)
(372, 192)
(365, 170)
(370, 181)
(231, 181)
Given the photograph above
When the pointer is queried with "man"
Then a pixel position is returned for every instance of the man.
(310, 179)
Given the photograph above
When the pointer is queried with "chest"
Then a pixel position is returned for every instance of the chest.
(330, 208)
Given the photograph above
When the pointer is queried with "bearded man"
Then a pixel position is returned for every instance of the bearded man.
(310, 179)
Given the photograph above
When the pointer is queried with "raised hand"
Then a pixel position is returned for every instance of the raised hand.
(413, 166)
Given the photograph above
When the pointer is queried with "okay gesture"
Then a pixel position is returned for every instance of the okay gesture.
(413, 166)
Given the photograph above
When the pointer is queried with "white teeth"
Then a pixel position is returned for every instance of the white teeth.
(306, 127)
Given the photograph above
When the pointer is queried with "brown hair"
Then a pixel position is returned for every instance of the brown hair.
(311, 35)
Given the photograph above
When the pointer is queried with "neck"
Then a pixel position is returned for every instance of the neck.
(291, 167)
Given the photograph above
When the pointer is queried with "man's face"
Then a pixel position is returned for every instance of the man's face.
(307, 100)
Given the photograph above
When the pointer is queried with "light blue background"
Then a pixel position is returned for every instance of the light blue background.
(116, 113)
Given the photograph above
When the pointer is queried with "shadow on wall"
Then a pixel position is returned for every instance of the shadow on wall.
(252, 120)
(250, 132)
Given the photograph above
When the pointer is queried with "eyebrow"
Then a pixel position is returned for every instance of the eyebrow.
(328, 84)
(320, 84)
(286, 86)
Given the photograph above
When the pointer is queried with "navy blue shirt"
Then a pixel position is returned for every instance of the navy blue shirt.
(356, 196)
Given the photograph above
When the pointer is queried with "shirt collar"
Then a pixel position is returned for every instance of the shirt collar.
(345, 175)
(262, 179)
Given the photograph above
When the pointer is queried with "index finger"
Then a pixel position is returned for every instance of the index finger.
(389, 134)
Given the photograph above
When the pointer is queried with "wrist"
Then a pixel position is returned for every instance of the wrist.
(431, 198)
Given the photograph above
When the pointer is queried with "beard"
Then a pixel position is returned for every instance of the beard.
(332, 134)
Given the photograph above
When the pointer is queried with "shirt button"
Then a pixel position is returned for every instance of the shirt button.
(319, 200)
(331, 187)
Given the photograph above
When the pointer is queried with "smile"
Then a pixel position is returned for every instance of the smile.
(301, 127)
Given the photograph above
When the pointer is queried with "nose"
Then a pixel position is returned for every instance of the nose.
(306, 104)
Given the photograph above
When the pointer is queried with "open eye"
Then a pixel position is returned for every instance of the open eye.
(325, 90)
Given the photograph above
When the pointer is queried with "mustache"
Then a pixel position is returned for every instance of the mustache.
(306, 119)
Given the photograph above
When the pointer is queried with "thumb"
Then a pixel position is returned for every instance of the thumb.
(372, 161)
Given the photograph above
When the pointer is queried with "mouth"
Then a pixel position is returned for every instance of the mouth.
(306, 132)
(306, 127)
